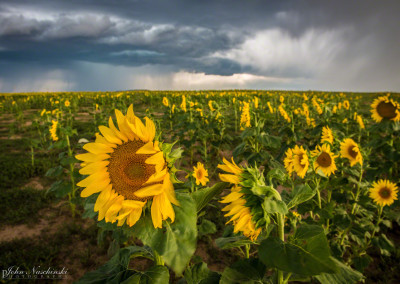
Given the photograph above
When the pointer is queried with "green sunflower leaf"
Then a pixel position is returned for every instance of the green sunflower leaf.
(175, 242)
(203, 196)
(307, 254)
(301, 194)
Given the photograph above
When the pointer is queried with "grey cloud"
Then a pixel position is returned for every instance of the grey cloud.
(319, 44)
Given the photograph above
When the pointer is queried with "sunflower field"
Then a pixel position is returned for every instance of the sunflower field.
(201, 186)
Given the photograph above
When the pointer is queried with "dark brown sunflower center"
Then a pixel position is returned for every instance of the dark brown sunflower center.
(351, 152)
(128, 170)
(199, 174)
(386, 110)
(324, 160)
(385, 193)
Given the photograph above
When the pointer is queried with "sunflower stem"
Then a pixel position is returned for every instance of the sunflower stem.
(380, 209)
(247, 250)
(355, 207)
(281, 234)
(71, 174)
(286, 280)
(318, 193)
(158, 258)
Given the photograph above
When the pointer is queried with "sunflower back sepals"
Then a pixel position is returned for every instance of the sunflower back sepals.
(171, 156)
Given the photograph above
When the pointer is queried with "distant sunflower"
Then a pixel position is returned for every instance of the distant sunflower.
(350, 150)
(53, 130)
(165, 101)
(128, 168)
(346, 104)
(241, 215)
(327, 135)
(200, 174)
(385, 108)
(325, 160)
(383, 192)
(288, 161)
(300, 161)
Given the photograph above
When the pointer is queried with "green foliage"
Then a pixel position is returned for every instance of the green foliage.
(200, 274)
(306, 254)
(22, 205)
(345, 275)
(300, 194)
(203, 196)
(247, 271)
(176, 242)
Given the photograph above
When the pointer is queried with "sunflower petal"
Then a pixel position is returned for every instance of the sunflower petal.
(90, 157)
(229, 178)
(117, 133)
(156, 159)
(93, 167)
(109, 135)
(134, 216)
(133, 204)
(148, 148)
(111, 214)
(123, 127)
(102, 140)
(151, 190)
(156, 213)
(93, 178)
(95, 187)
(98, 148)
(103, 197)
(150, 129)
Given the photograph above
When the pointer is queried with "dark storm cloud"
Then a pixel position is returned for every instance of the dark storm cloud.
(308, 42)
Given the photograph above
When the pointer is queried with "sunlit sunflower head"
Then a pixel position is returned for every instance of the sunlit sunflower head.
(327, 135)
(360, 122)
(240, 215)
(53, 130)
(383, 192)
(200, 174)
(384, 108)
(67, 103)
(300, 161)
(165, 101)
(128, 168)
(346, 104)
(288, 161)
(350, 150)
(325, 159)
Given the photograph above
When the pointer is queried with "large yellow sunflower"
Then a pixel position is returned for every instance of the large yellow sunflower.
(240, 214)
(350, 150)
(300, 161)
(325, 160)
(383, 192)
(128, 168)
(385, 108)
(327, 135)
(200, 174)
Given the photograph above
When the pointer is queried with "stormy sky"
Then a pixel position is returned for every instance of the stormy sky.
(100, 45)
